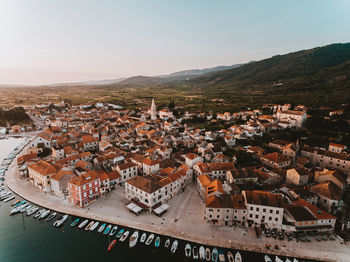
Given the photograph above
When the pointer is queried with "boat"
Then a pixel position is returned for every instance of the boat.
(39, 213)
(214, 255)
(174, 247)
(60, 222)
(149, 239)
(194, 252)
(207, 254)
(17, 209)
(167, 243)
(221, 256)
(113, 231)
(267, 258)
(44, 214)
(188, 250)
(133, 239)
(295, 260)
(288, 260)
(32, 211)
(143, 238)
(9, 199)
(277, 259)
(124, 236)
(89, 225)
(230, 256)
(102, 227)
(83, 224)
(111, 245)
(107, 230)
(50, 217)
(238, 257)
(157, 242)
(201, 253)
(25, 209)
(94, 226)
(120, 233)
(74, 223)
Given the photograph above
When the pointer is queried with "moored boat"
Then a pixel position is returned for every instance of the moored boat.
(238, 257)
(214, 255)
(75, 222)
(167, 243)
(195, 252)
(32, 211)
(230, 256)
(174, 247)
(120, 233)
(143, 238)
(207, 254)
(44, 214)
(112, 244)
(157, 242)
(18, 209)
(102, 227)
(124, 236)
(201, 253)
(149, 239)
(89, 225)
(133, 239)
(221, 256)
(113, 230)
(50, 217)
(61, 221)
(83, 224)
(94, 226)
(267, 258)
(9, 199)
(107, 230)
(39, 213)
(188, 250)
(277, 259)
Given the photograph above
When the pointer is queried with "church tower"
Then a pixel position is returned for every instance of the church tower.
(153, 111)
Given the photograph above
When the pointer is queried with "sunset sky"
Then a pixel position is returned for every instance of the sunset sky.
(59, 41)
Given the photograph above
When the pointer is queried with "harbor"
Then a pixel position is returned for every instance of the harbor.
(161, 235)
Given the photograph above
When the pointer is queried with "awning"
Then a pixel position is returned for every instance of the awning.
(161, 210)
(134, 208)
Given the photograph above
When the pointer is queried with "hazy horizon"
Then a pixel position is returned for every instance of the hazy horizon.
(46, 42)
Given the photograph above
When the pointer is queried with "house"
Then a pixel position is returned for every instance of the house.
(40, 175)
(191, 159)
(150, 166)
(337, 148)
(329, 195)
(202, 182)
(127, 170)
(296, 118)
(218, 210)
(297, 176)
(299, 219)
(59, 182)
(89, 142)
(264, 208)
(84, 189)
(335, 176)
(242, 176)
(275, 160)
(213, 170)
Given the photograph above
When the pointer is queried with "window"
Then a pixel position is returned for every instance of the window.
(277, 212)
(276, 219)
(256, 216)
(251, 208)
(271, 211)
(257, 209)
(264, 210)
(84, 187)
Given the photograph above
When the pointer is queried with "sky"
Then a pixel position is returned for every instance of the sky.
(56, 41)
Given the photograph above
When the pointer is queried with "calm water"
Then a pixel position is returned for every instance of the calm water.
(24, 239)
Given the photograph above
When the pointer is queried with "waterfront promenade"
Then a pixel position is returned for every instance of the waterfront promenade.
(184, 220)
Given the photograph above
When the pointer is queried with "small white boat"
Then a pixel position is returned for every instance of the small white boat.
(18, 209)
(89, 225)
(60, 222)
(174, 247)
(94, 226)
(188, 250)
(195, 252)
(44, 214)
(288, 260)
(26, 209)
(133, 239)
(277, 259)
(143, 238)
(83, 224)
(50, 217)
(238, 257)
(102, 227)
(267, 258)
(230, 256)
(207, 254)
(149, 239)
(201, 253)
(9, 199)
(32, 211)
(124, 236)
(295, 260)
(113, 231)
(167, 243)
(39, 213)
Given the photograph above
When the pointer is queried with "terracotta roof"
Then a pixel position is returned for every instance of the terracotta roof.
(143, 184)
(275, 157)
(150, 162)
(43, 168)
(84, 179)
(113, 175)
(204, 180)
(127, 165)
(88, 139)
(238, 201)
(317, 212)
(327, 189)
(61, 174)
(264, 198)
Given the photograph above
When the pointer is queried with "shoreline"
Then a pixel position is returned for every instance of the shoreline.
(97, 211)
